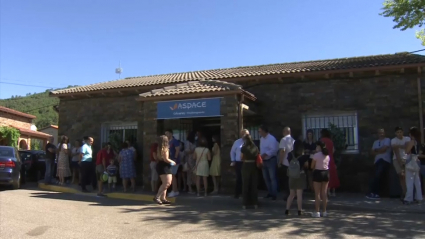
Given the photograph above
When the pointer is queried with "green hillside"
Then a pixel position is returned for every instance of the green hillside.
(38, 104)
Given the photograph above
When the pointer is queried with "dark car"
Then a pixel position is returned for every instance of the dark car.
(11, 168)
(34, 162)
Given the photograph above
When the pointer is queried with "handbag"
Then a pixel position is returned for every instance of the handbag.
(259, 161)
(197, 162)
(412, 163)
(185, 167)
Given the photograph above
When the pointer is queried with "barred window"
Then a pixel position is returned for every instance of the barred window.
(253, 131)
(120, 131)
(346, 121)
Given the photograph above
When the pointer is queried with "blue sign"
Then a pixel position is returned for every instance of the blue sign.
(188, 108)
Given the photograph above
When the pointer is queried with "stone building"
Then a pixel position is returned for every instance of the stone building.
(22, 122)
(359, 95)
(51, 130)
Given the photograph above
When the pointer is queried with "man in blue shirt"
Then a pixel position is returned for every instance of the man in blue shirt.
(381, 149)
(235, 157)
(174, 155)
(86, 164)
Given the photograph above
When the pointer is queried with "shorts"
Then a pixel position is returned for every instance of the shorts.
(298, 183)
(112, 179)
(99, 172)
(163, 168)
(397, 166)
(321, 176)
(175, 169)
(154, 173)
(75, 165)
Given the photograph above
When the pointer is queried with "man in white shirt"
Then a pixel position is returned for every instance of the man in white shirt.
(235, 157)
(381, 149)
(268, 151)
(398, 144)
(286, 146)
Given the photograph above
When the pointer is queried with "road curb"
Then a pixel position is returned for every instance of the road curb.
(125, 196)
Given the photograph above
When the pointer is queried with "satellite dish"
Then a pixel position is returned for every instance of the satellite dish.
(33, 127)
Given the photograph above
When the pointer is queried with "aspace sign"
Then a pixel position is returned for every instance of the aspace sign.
(188, 108)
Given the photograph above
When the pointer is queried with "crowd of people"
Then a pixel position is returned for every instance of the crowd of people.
(289, 166)
(408, 161)
(76, 161)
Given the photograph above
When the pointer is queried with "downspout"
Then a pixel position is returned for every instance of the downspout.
(421, 122)
(240, 113)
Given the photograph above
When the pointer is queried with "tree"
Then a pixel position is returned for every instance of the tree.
(407, 14)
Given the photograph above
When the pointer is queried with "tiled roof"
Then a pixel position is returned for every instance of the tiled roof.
(15, 112)
(194, 87)
(33, 133)
(237, 72)
(50, 126)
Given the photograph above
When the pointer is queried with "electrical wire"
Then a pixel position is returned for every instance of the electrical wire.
(417, 51)
(9, 83)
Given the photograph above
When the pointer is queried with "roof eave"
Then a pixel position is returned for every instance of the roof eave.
(242, 78)
(189, 96)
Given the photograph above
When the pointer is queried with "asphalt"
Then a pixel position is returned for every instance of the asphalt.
(344, 201)
(35, 213)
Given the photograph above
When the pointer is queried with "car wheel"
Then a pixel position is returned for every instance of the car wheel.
(17, 184)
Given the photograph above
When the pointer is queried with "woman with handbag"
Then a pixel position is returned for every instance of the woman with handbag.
(412, 168)
(215, 168)
(249, 154)
(202, 170)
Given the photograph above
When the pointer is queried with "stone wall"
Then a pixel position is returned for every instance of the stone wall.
(14, 120)
(84, 117)
(380, 102)
(229, 133)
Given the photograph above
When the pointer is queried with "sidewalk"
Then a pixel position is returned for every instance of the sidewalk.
(138, 195)
(343, 201)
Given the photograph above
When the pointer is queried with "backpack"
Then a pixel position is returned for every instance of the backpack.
(294, 170)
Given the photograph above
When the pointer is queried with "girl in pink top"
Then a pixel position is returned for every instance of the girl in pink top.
(320, 167)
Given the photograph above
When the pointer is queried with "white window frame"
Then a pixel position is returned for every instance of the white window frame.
(106, 127)
(343, 119)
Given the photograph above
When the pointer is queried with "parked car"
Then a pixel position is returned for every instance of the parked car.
(34, 162)
(11, 167)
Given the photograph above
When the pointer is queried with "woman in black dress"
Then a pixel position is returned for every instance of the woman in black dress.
(163, 169)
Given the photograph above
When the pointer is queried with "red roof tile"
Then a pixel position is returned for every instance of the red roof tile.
(398, 59)
(33, 133)
(194, 87)
(15, 112)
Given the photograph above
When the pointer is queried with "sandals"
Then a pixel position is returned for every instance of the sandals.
(157, 201)
(166, 202)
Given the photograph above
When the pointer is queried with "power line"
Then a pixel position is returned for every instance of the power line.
(40, 86)
(39, 108)
(30, 110)
(417, 51)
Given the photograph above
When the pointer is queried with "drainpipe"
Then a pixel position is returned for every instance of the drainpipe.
(240, 113)
(421, 122)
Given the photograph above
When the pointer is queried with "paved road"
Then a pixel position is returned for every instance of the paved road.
(31, 213)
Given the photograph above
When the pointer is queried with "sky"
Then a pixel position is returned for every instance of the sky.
(52, 44)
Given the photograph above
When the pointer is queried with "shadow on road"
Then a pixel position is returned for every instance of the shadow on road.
(339, 224)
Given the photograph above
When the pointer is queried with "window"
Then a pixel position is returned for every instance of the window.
(346, 121)
(253, 131)
(119, 131)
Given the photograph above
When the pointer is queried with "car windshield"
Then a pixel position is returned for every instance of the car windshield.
(25, 156)
(6, 152)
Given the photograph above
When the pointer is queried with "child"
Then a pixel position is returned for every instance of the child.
(112, 172)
